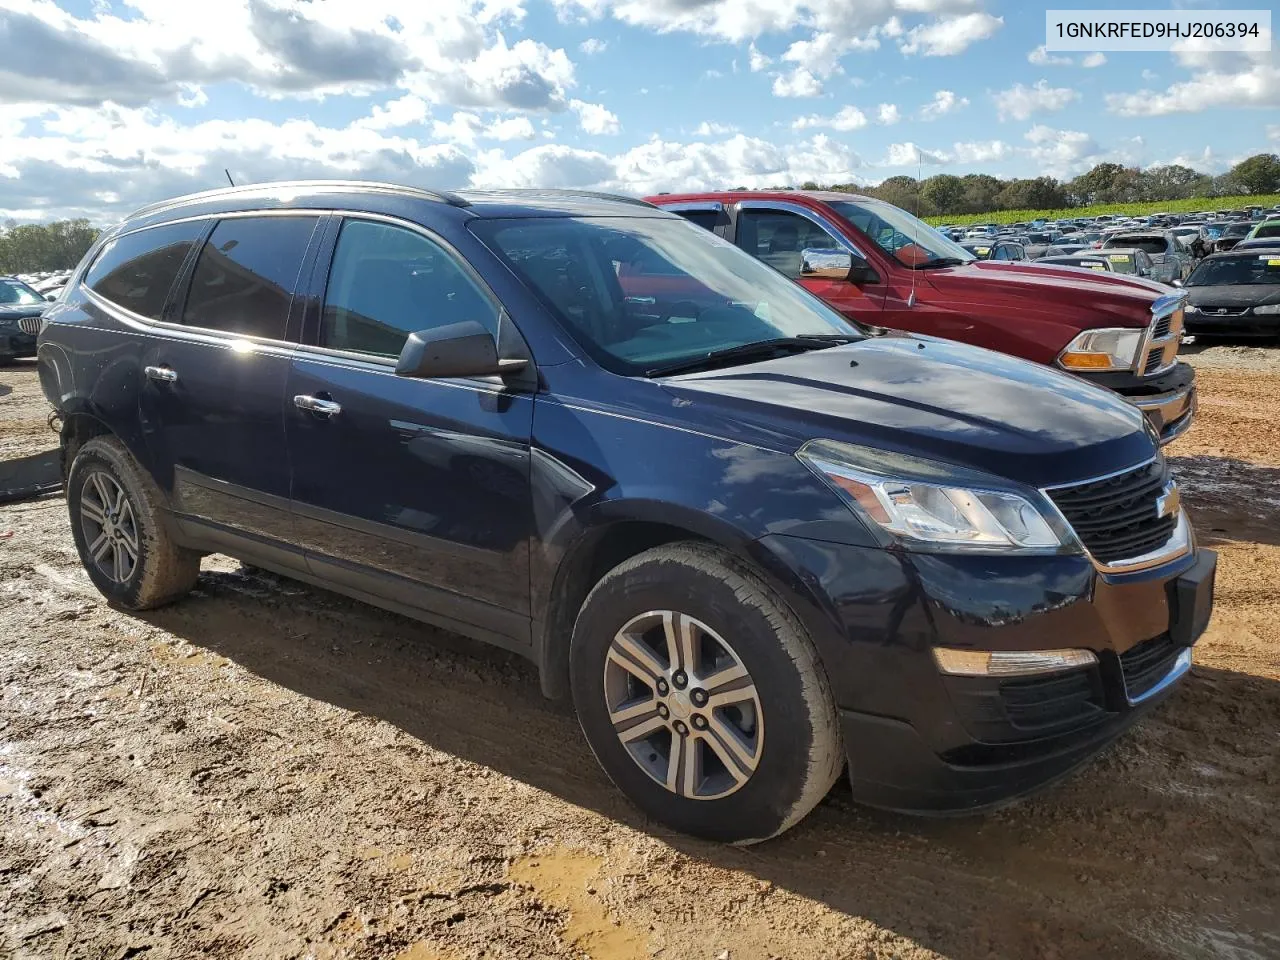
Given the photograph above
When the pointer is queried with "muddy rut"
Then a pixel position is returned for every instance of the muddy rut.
(269, 770)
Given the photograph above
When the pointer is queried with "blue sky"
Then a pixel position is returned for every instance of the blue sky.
(106, 104)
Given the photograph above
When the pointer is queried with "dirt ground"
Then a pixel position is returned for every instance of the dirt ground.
(268, 770)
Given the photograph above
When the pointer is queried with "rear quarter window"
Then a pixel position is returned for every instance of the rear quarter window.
(137, 270)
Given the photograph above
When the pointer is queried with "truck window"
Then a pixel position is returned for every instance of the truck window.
(778, 236)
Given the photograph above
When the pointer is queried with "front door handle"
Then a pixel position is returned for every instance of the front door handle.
(165, 374)
(317, 405)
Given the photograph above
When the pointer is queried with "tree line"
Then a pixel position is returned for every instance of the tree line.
(44, 246)
(947, 194)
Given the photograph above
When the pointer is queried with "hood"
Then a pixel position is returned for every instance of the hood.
(1235, 295)
(932, 398)
(16, 311)
(1117, 300)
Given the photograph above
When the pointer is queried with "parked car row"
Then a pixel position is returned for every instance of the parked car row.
(20, 311)
(724, 484)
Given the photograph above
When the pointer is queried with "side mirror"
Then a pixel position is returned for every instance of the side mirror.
(464, 349)
(1177, 283)
(831, 264)
(51, 297)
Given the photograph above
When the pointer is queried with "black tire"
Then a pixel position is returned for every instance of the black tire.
(162, 571)
(800, 754)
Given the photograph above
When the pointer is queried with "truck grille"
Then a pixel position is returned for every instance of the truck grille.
(30, 325)
(1163, 343)
(1147, 664)
(1116, 518)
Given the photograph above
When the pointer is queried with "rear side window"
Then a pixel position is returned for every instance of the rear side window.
(777, 237)
(387, 282)
(246, 275)
(136, 271)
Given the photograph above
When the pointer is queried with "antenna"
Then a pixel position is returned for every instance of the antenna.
(911, 299)
(228, 173)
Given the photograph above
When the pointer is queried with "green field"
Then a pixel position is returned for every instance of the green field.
(1193, 205)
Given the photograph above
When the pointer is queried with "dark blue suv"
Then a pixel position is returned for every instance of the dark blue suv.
(753, 542)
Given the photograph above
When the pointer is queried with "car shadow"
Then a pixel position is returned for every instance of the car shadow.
(1060, 875)
(1230, 499)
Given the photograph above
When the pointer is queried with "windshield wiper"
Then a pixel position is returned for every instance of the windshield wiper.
(939, 262)
(761, 349)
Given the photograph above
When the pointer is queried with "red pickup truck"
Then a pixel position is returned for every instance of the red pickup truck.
(879, 265)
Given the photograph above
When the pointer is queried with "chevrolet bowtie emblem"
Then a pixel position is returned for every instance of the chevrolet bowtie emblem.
(1169, 502)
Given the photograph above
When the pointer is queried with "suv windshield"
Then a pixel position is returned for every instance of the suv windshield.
(15, 292)
(1234, 271)
(910, 241)
(641, 294)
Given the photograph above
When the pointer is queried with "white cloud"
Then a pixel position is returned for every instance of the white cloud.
(799, 83)
(951, 35)
(1061, 153)
(1258, 85)
(1206, 161)
(594, 118)
(757, 60)
(402, 112)
(944, 102)
(981, 151)
(1150, 75)
(466, 128)
(887, 114)
(451, 52)
(1273, 131)
(848, 118)
(1041, 57)
(712, 129)
(1021, 102)
(513, 128)
(910, 155)
(593, 46)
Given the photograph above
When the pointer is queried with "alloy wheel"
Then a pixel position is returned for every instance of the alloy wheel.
(110, 526)
(684, 705)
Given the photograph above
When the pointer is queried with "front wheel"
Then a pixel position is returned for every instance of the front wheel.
(702, 696)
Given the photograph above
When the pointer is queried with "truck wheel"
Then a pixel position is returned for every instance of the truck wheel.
(702, 696)
(117, 521)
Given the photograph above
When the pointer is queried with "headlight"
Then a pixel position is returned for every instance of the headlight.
(1269, 310)
(1102, 350)
(1191, 308)
(908, 504)
(1010, 663)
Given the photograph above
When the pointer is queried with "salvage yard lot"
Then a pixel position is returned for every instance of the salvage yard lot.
(265, 769)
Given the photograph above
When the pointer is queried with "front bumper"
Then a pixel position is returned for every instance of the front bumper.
(923, 742)
(14, 343)
(1169, 401)
(1245, 325)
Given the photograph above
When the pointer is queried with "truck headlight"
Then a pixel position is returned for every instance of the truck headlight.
(915, 509)
(1102, 350)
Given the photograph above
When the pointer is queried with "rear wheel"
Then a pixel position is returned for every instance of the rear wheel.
(702, 697)
(117, 522)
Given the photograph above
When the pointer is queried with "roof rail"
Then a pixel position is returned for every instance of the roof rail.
(559, 194)
(437, 196)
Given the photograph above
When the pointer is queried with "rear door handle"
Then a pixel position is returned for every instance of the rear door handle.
(325, 408)
(165, 374)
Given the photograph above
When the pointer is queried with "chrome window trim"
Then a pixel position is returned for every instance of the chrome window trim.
(703, 206)
(813, 216)
(1179, 544)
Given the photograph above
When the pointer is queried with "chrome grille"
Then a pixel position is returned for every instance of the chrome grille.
(30, 325)
(1117, 518)
(1162, 343)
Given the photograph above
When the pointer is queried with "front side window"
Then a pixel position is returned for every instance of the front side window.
(387, 282)
(244, 281)
(17, 293)
(777, 237)
(909, 240)
(135, 271)
(643, 293)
